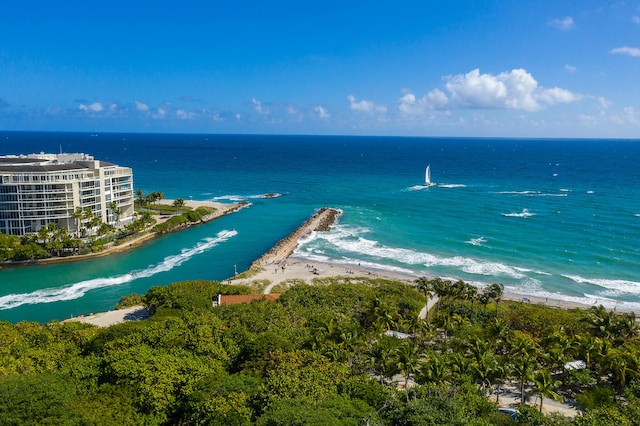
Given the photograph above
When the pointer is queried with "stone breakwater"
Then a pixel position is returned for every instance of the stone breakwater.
(321, 221)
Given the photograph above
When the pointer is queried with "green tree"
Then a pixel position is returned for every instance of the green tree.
(546, 386)
(522, 369)
(178, 203)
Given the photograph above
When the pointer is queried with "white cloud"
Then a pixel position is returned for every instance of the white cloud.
(516, 89)
(635, 19)
(160, 113)
(410, 106)
(587, 120)
(141, 107)
(604, 103)
(630, 51)
(322, 112)
(257, 105)
(570, 68)
(94, 107)
(365, 106)
(564, 24)
(630, 116)
(185, 115)
(291, 110)
(557, 95)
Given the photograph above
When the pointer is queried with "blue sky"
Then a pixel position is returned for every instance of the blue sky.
(514, 68)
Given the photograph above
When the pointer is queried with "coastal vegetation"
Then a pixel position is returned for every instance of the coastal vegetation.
(352, 351)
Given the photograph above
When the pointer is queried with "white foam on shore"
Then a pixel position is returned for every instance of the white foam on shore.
(350, 241)
(356, 250)
(77, 290)
(619, 286)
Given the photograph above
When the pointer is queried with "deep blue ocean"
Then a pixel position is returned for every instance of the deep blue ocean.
(550, 218)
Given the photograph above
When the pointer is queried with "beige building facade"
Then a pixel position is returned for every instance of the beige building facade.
(37, 189)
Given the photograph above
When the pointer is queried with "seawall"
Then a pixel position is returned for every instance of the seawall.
(321, 221)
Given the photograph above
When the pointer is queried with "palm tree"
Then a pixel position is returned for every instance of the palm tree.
(439, 287)
(383, 314)
(113, 206)
(602, 322)
(623, 364)
(498, 331)
(426, 287)
(485, 370)
(140, 196)
(522, 368)
(178, 203)
(381, 358)
(495, 292)
(78, 215)
(408, 357)
(433, 369)
(546, 386)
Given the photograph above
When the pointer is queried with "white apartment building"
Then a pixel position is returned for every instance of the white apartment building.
(36, 189)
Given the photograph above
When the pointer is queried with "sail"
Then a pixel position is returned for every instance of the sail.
(427, 175)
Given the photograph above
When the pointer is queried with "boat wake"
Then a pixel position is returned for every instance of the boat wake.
(524, 213)
(476, 241)
(238, 198)
(77, 290)
(563, 193)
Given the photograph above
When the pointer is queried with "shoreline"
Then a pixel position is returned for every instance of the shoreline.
(280, 266)
(222, 209)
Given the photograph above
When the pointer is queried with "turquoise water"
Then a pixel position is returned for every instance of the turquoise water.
(555, 218)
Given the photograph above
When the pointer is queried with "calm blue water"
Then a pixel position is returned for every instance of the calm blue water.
(556, 218)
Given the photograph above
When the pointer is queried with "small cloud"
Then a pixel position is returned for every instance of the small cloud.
(291, 110)
(635, 19)
(141, 107)
(160, 113)
(557, 95)
(630, 115)
(629, 51)
(564, 24)
(257, 105)
(587, 120)
(185, 115)
(94, 107)
(570, 68)
(604, 103)
(365, 106)
(322, 112)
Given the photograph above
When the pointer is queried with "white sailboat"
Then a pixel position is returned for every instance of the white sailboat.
(427, 177)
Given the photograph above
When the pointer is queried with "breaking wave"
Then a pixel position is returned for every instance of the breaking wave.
(77, 290)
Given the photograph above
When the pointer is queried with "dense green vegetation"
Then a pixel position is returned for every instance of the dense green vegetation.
(320, 355)
(177, 221)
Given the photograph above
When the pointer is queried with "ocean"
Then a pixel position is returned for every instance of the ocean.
(545, 217)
